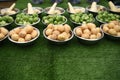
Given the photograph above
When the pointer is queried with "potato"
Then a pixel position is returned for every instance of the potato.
(28, 29)
(112, 32)
(21, 40)
(34, 33)
(4, 31)
(22, 33)
(111, 25)
(2, 36)
(91, 25)
(56, 32)
(50, 26)
(86, 36)
(93, 36)
(105, 28)
(15, 37)
(67, 28)
(48, 32)
(78, 31)
(86, 31)
(28, 37)
(60, 28)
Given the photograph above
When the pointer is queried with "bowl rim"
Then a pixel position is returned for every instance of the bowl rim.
(63, 11)
(5, 36)
(88, 39)
(87, 8)
(29, 24)
(26, 42)
(72, 35)
(55, 24)
(76, 7)
(101, 27)
(18, 10)
(40, 8)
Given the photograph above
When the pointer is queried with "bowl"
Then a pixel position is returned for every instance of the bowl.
(101, 22)
(13, 15)
(4, 37)
(57, 8)
(26, 24)
(23, 19)
(76, 23)
(6, 21)
(112, 37)
(52, 16)
(57, 41)
(114, 12)
(38, 8)
(99, 7)
(81, 9)
(87, 41)
(26, 42)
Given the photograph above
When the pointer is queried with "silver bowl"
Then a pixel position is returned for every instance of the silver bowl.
(96, 13)
(30, 24)
(57, 24)
(26, 42)
(87, 41)
(57, 8)
(114, 11)
(76, 7)
(57, 41)
(38, 8)
(112, 37)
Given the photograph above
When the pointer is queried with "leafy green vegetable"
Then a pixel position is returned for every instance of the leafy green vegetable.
(4, 20)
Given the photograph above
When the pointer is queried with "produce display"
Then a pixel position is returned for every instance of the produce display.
(5, 20)
(96, 8)
(58, 32)
(9, 11)
(88, 31)
(80, 18)
(106, 17)
(54, 10)
(32, 10)
(3, 33)
(23, 19)
(113, 7)
(112, 28)
(23, 34)
(54, 19)
(75, 9)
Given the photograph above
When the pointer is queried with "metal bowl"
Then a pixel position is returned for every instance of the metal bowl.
(4, 38)
(76, 7)
(38, 8)
(101, 22)
(87, 41)
(57, 24)
(57, 8)
(57, 41)
(112, 37)
(13, 15)
(30, 24)
(26, 42)
(96, 13)
(114, 11)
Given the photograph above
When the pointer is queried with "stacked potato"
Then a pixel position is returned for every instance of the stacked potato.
(88, 31)
(112, 28)
(23, 34)
(58, 32)
(3, 32)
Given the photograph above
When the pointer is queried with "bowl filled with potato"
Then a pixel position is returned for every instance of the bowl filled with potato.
(24, 34)
(58, 33)
(112, 30)
(88, 33)
(3, 33)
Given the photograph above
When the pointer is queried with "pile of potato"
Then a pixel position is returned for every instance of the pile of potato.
(23, 34)
(112, 28)
(88, 31)
(58, 32)
(3, 32)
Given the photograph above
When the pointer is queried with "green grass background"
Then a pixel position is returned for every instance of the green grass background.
(72, 61)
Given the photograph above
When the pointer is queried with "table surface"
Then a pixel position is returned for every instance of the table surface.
(71, 61)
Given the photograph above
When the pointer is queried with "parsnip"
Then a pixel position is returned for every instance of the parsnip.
(72, 10)
(11, 7)
(52, 9)
(94, 7)
(112, 6)
(30, 9)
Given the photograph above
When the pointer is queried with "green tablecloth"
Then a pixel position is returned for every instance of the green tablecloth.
(72, 61)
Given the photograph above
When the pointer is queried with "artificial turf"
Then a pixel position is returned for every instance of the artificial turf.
(71, 61)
